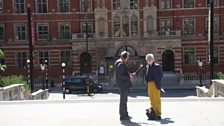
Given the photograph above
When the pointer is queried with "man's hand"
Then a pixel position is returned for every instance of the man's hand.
(132, 75)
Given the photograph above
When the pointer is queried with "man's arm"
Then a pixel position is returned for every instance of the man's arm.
(121, 72)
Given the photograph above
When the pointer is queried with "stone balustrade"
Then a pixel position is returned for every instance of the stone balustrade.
(17, 92)
(215, 90)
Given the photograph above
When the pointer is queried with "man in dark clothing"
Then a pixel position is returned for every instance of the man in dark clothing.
(123, 80)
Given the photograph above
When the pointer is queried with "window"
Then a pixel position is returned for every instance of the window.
(188, 3)
(43, 55)
(63, 5)
(20, 31)
(117, 30)
(189, 55)
(85, 5)
(1, 6)
(19, 6)
(133, 4)
(165, 24)
(216, 3)
(64, 30)
(189, 27)
(2, 32)
(134, 26)
(89, 27)
(165, 4)
(66, 57)
(42, 31)
(21, 59)
(216, 55)
(125, 26)
(41, 6)
(215, 25)
(116, 4)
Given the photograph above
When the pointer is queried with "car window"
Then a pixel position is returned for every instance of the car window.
(76, 80)
(68, 80)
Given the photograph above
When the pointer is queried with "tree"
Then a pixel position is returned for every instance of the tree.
(2, 66)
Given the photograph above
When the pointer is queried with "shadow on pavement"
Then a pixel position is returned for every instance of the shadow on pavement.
(130, 123)
(166, 121)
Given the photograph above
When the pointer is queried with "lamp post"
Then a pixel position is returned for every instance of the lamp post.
(46, 73)
(28, 72)
(42, 67)
(63, 65)
(200, 64)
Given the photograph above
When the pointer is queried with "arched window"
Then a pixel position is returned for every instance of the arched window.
(101, 26)
(134, 26)
(117, 29)
(125, 27)
(149, 25)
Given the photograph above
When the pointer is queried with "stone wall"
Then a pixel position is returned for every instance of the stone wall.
(17, 92)
(215, 90)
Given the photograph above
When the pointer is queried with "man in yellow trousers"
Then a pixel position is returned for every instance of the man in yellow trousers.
(153, 79)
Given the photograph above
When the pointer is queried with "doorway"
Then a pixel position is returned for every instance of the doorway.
(85, 63)
(168, 60)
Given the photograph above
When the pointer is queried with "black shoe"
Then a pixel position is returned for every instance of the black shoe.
(124, 118)
(158, 117)
(129, 117)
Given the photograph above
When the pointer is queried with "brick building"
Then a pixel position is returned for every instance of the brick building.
(175, 31)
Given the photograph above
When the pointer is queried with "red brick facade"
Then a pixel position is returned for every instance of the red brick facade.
(166, 45)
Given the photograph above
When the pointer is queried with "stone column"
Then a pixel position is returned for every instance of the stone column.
(103, 1)
(97, 3)
(146, 3)
(152, 3)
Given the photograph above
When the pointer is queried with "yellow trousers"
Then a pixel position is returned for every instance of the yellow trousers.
(154, 95)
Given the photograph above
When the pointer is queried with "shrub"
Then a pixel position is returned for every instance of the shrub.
(221, 75)
(8, 80)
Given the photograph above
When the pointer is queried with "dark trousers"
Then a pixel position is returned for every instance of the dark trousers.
(123, 102)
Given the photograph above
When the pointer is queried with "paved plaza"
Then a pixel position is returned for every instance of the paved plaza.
(99, 110)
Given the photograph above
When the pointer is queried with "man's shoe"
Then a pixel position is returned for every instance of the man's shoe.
(124, 118)
(129, 117)
(158, 117)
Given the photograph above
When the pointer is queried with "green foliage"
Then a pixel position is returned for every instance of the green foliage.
(2, 67)
(1, 53)
(8, 80)
(221, 75)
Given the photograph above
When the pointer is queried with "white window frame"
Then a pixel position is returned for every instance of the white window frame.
(165, 20)
(65, 58)
(21, 62)
(64, 31)
(41, 4)
(63, 3)
(83, 7)
(189, 19)
(190, 61)
(116, 3)
(16, 10)
(165, 5)
(134, 2)
(83, 30)
(183, 3)
(38, 35)
(41, 59)
(20, 25)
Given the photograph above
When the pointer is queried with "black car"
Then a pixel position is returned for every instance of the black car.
(79, 83)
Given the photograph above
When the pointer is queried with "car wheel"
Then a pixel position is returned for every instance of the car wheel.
(67, 91)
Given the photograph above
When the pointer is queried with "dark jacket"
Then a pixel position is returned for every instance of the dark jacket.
(154, 73)
(122, 74)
